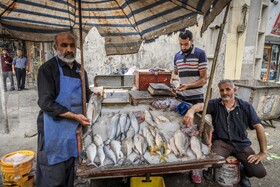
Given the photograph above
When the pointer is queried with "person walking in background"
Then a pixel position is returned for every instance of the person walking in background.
(231, 117)
(60, 100)
(190, 65)
(7, 70)
(20, 68)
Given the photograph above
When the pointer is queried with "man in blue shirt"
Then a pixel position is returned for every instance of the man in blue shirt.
(231, 117)
(20, 68)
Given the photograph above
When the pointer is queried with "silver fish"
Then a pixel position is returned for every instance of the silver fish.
(101, 155)
(116, 147)
(149, 118)
(122, 124)
(91, 153)
(94, 108)
(130, 133)
(109, 153)
(195, 146)
(173, 147)
(180, 140)
(128, 123)
(112, 126)
(140, 147)
(134, 122)
(140, 144)
(127, 145)
(97, 140)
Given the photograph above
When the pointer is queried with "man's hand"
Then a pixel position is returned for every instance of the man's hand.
(82, 120)
(188, 118)
(256, 158)
(182, 87)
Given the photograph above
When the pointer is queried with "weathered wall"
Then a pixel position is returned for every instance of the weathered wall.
(159, 53)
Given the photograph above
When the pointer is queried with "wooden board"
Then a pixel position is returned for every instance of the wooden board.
(85, 171)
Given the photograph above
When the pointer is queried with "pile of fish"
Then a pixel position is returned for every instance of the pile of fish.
(123, 138)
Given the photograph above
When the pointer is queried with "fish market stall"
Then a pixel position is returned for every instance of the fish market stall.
(132, 140)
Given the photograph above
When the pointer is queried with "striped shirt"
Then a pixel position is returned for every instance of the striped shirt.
(188, 66)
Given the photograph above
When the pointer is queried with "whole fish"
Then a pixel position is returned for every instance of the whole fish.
(101, 155)
(153, 129)
(173, 147)
(128, 123)
(180, 140)
(116, 147)
(91, 153)
(127, 145)
(195, 146)
(134, 122)
(163, 146)
(112, 126)
(97, 140)
(140, 144)
(151, 143)
(94, 108)
(140, 147)
(130, 133)
(122, 124)
(149, 118)
(109, 153)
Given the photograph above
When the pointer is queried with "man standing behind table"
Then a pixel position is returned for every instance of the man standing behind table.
(20, 67)
(6, 62)
(190, 64)
(60, 100)
(231, 117)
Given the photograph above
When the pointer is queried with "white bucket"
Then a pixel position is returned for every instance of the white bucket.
(229, 173)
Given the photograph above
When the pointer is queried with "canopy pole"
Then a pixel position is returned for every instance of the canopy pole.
(217, 49)
(80, 129)
(4, 105)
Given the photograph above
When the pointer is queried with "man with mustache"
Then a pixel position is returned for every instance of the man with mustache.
(231, 117)
(60, 100)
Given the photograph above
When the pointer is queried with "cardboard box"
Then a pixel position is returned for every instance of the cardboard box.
(143, 78)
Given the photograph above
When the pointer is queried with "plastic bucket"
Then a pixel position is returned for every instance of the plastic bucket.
(229, 173)
(142, 182)
(16, 166)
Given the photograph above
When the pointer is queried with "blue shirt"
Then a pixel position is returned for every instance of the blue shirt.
(20, 62)
(230, 126)
(188, 66)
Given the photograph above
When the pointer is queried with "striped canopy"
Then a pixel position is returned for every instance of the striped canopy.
(123, 23)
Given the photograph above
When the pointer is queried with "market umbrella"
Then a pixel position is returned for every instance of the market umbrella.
(123, 23)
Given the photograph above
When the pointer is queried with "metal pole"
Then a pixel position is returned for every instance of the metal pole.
(202, 126)
(80, 129)
(4, 103)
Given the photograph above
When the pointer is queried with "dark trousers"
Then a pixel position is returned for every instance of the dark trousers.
(20, 74)
(251, 169)
(61, 174)
(7, 74)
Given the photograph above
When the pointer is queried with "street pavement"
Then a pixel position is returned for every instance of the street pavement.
(22, 115)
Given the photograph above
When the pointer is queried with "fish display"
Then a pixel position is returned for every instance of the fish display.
(118, 139)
